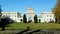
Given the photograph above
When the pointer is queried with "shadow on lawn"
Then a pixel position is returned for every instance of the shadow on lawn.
(39, 31)
(28, 31)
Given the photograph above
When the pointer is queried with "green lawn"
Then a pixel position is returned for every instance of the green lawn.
(45, 26)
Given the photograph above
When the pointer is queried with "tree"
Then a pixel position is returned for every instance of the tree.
(0, 12)
(35, 19)
(56, 11)
(3, 20)
(3, 23)
(24, 19)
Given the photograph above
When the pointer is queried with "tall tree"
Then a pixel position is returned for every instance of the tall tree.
(24, 18)
(3, 23)
(56, 11)
(3, 20)
(0, 12)
(35, 19)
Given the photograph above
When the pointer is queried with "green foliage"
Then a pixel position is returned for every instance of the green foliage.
(3, 20)
(56, 12)
(24, 19)
(0, 11)
(21, 26)
(3, 23)
(35, 19)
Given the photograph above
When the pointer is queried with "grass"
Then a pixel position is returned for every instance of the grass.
(45, 26)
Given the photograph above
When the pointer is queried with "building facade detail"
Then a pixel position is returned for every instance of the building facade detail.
(30, 13)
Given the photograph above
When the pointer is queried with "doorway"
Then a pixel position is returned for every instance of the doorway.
(39, 20)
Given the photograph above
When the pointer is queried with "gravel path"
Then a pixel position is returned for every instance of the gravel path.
(39, 32)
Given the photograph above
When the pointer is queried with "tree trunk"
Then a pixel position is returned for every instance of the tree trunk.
(3, 28)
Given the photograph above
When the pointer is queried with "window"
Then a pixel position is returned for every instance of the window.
(21, 20)
(50, 15)
(47, 15)
(15, 15)
(3, 15)
(9, 15)
(39, 20)
(6, 15)
(50, 20)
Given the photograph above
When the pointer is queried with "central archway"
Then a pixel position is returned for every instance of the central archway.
(30, 19)
(30, 13)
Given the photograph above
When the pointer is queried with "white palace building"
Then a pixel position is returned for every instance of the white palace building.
(30, 13)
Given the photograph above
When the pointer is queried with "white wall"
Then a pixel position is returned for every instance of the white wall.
(12, 15)
(47, 16)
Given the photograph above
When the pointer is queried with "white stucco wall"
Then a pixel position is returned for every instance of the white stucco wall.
(15, 16)
(45, 17)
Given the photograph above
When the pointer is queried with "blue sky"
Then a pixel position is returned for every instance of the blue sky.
(21, 5)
